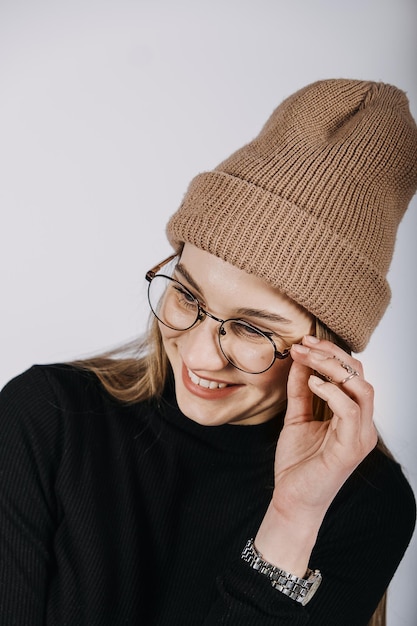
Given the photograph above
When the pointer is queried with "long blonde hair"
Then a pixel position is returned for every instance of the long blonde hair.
(139, 370)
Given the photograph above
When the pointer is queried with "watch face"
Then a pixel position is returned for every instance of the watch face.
(315, 578)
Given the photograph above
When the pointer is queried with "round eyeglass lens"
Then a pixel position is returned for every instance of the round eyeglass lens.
(246, 347)
(172, 303)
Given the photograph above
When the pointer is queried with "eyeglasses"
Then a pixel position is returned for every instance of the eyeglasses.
(246, 347)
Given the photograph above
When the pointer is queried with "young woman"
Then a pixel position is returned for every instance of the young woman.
(229, 472)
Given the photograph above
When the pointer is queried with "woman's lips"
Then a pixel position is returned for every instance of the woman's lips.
(206, 388)
(203, 382)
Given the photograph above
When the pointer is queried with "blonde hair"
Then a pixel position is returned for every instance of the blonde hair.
(139, 371)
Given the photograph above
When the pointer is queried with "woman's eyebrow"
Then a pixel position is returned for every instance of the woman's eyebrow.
(242, 312)
(190, 280)
(264, 315)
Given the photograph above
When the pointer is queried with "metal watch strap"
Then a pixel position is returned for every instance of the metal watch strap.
(299, 589)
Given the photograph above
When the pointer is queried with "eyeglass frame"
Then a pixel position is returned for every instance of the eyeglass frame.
(202, 314)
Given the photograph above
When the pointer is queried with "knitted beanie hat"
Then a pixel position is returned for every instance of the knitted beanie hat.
(313, 203)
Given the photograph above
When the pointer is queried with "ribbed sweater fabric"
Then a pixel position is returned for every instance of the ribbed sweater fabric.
(116, 514)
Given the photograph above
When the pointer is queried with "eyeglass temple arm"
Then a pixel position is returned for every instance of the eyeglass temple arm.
(151, 273)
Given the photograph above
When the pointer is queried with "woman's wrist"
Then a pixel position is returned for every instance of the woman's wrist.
(287, 542)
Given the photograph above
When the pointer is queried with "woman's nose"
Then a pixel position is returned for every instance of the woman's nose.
(200, 348)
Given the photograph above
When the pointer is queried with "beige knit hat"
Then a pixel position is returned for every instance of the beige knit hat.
(313, 203)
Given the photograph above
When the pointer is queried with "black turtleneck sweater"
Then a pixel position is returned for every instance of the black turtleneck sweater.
(116, 514)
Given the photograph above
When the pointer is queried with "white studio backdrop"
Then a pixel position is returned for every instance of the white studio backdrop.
(108, 108)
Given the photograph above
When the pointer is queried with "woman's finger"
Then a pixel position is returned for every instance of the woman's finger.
(352, 423)
(299, 395)
(332, 364)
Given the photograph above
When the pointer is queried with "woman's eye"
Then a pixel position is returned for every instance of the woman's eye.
(251, 331)
(185, 296)
(243, 330)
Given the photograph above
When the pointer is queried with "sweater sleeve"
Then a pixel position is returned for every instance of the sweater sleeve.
(360, 545)
(362, 541)
(29, 458)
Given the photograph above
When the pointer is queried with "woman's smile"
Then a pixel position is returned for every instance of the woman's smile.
(206, 388)
(203, 382)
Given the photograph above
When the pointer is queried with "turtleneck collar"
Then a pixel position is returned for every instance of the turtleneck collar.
(232, 438)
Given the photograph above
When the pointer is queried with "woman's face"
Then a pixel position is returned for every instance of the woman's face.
(233, 396)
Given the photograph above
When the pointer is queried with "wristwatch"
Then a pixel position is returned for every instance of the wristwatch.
(299, 589)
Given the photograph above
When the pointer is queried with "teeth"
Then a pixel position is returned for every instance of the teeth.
(202, 382)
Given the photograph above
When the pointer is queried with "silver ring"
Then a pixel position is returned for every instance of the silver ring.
(350, 370)
(352, 375)
(345, 366)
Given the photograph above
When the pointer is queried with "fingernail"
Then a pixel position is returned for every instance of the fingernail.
(311, 339)
(298, 347)
(315, 380)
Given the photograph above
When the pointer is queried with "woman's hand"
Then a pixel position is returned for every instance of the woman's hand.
(314, 459)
